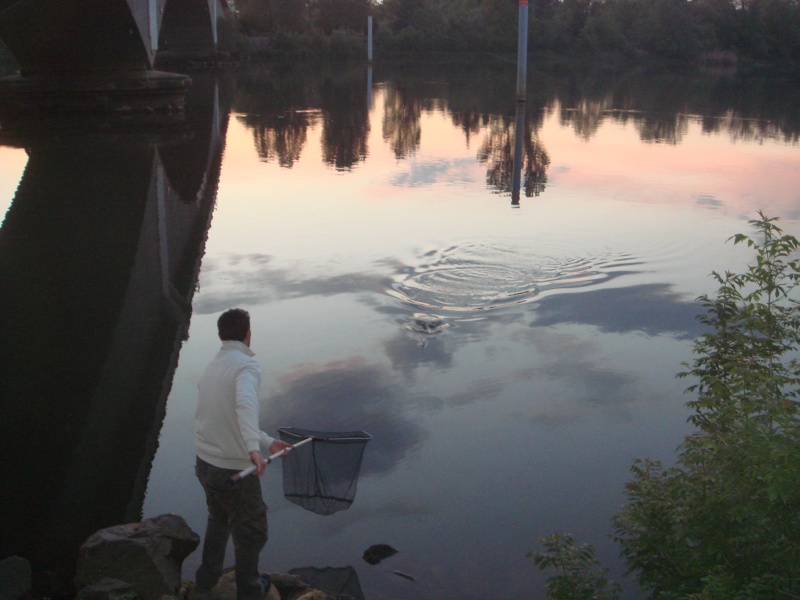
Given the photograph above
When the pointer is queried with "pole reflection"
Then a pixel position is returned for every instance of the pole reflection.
(519, 132)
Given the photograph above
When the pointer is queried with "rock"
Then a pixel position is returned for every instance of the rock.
(314, 595)
(148, 555)
(226, 589)
(290, 587)
(375, 554)
(108, 589)
(15, 578)
(272, 593)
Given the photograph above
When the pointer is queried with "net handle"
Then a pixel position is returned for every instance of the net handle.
(270, 458)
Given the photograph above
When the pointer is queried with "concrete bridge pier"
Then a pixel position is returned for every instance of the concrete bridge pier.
(124, 92)
(89, 55)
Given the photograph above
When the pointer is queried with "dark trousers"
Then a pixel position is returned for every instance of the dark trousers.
(236, 509)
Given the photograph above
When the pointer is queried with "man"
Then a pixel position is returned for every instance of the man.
(228, 441)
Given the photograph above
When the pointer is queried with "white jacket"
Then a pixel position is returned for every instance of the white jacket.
(226, 421)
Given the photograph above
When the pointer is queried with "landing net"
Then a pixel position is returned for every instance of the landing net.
(322, 475)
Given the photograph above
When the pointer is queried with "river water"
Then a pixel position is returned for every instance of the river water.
(510, 353)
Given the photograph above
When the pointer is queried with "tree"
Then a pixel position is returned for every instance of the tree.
(350, 15)
(724, 522)
(580, 576)
(290, 16)
(773, 26)
(720, 19)
(401, 12)
(274, 16)
(667, 28)
(568, 21)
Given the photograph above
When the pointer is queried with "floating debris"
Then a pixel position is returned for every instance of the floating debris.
(375, 554)
(427, 324)
(404, 575)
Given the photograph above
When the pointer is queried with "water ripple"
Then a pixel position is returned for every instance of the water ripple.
(479, 276)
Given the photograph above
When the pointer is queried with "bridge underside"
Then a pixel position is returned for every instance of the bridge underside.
(62, 38)
(188, 27)
(99, 54)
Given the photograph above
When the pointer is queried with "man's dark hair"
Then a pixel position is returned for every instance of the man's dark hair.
(233, 324)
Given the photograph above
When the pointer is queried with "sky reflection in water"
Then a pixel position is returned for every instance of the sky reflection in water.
(566, 319)
(563, 321)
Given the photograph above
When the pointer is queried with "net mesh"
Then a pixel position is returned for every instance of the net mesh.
(322, 475)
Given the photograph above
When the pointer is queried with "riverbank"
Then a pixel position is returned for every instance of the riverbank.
(143, 561)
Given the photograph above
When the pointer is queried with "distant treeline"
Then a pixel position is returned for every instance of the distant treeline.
(721, 31)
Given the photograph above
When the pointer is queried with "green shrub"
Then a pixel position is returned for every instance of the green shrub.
(724, 522)
(580, 575)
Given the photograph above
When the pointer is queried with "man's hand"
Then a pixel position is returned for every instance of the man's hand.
(279, 445)
(259, 461)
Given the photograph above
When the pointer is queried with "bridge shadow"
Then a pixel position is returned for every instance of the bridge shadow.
(99, 258)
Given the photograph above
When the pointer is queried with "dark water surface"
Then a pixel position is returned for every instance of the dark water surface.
(510, 353)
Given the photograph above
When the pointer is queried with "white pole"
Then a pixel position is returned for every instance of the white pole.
(270, 458)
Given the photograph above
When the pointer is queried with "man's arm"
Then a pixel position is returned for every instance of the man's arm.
(248, 382)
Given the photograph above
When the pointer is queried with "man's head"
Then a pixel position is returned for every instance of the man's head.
(234, 324)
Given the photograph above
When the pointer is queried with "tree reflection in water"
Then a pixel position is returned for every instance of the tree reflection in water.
(345, 121)
(281, 102)
(401, 121)
(282, 136)
(511, 165)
